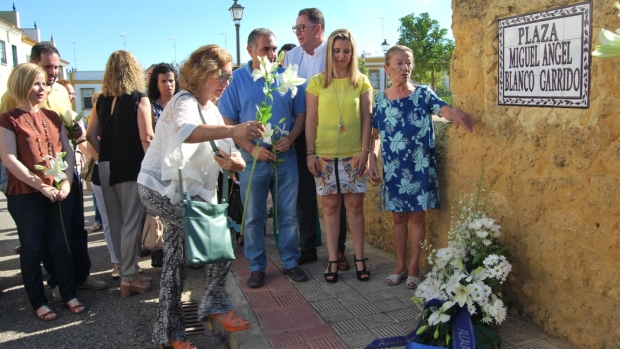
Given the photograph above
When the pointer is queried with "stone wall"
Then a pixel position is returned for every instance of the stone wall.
(555, 174)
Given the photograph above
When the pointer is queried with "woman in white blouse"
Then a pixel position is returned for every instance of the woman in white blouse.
(182, 141)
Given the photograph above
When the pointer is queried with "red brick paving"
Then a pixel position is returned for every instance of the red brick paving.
(285, 316)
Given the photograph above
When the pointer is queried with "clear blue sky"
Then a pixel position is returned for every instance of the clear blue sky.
(149, 25)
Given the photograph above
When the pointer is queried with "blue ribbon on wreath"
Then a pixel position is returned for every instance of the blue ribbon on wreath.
(463, 335)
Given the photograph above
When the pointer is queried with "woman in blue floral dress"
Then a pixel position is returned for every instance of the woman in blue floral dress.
(402, 123)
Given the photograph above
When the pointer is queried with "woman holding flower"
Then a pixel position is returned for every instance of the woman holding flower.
(185, 127)
(402, 122)
(31, 137)
(338, 103)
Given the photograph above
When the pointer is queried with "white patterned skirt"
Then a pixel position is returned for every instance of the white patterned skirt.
(339, 176)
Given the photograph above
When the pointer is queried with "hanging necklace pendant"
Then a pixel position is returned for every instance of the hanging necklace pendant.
(341, 126)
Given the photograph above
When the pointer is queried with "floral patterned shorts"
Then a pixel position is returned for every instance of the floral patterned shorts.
(339, 176)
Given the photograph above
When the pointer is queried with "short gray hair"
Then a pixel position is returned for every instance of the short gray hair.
(255, 34)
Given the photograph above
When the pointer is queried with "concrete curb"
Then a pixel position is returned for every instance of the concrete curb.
(253, 338)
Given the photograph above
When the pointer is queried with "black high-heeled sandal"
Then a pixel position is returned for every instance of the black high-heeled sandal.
(330, 273)
(364, 271)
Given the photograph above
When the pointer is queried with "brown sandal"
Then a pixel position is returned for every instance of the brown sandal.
(48, 312)
(78, 308)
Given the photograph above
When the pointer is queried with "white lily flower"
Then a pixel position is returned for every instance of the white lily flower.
(482, 233)
(438, 317)
(268, 133)
(57, 168)
(265, 70)
(610, 44)
(289, 80)
(281, 130)
(462, 295)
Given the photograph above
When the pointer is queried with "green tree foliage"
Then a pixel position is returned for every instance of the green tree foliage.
(361, 65)
(432, 51)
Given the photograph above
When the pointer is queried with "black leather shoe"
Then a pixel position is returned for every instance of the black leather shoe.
(307, 258)
(296, 274)
(257, 279)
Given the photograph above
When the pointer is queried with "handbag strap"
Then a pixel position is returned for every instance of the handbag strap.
(216, 151)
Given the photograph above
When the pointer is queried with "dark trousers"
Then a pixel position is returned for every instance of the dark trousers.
(78, 241)
(307, 205)
(40, 233)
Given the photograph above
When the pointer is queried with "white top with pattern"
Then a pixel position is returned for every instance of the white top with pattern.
(167, 152)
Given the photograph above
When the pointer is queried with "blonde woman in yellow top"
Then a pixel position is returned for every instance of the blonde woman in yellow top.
(338, 126)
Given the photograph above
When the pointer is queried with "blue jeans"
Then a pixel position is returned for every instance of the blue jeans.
(263, 181)
(40, 230)
(97, 214)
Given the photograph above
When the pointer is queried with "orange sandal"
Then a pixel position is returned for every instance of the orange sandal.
(231, 322)
(48, 312)
(180, 345)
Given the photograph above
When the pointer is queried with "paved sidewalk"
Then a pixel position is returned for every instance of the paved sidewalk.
(109, 321)
(313, 314)
(347, 314)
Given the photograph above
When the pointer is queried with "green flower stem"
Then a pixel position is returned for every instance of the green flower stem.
(276, 230)
(62, 221)
(247, 191)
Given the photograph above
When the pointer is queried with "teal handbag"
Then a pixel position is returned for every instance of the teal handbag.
(207, 235)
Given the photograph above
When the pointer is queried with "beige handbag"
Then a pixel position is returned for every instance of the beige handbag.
(153, 233)
(87, 171)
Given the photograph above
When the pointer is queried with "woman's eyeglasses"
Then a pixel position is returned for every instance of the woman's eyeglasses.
(224, 77)
(301, 27)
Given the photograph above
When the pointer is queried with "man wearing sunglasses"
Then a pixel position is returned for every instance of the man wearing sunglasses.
(237, 105)
(310, 57)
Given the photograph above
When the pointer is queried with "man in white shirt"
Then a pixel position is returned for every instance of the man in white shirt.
(310, 57)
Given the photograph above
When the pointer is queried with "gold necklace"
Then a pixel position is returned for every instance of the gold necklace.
(341, 127)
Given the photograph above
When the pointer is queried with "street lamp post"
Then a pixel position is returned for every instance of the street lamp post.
(236, 12)
(385, 46)
(175, 49)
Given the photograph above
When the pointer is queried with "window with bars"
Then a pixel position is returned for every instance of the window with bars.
(2, 52)
(14, 50)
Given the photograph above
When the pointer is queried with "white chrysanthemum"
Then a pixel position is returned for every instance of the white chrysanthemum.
(472, 309)
(491, 260)
(501, 314)
(487, 242)
(491, 273)
(477, 293)
(487, 291)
